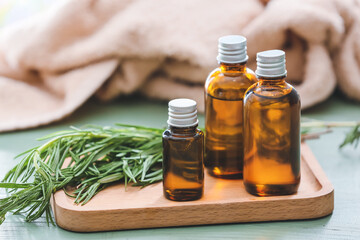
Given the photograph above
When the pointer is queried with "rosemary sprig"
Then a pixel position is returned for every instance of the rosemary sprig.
(312, 129)
(89, 160)
(352, 137)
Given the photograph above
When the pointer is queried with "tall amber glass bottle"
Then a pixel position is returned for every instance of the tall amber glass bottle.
(224, 92)
(183, 153)
(271, 130)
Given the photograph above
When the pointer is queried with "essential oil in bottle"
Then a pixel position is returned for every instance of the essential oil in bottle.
(224, 92)
(183, 153)
(271, 130)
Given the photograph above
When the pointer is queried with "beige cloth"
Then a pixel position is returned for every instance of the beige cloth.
(53, 63)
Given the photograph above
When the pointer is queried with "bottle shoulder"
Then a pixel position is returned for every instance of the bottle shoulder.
(219, 76)
(168, 134)
(285, 93)
(219, 84)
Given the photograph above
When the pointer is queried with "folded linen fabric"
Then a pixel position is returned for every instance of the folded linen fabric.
(52, 63)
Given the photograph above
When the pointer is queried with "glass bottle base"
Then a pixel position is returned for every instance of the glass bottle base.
(215, 172)
(264, 190)
(184, 194)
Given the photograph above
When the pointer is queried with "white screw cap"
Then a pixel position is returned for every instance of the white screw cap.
(271, 63)
(232, 49)
(182, 113)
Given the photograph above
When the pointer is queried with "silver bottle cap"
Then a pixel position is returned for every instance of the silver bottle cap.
(182, 113)
(271, 63)
(232, 49)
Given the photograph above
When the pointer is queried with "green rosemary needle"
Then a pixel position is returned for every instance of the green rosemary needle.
(88, 160)
(352, 137)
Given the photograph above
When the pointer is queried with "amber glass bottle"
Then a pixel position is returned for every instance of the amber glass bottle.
(271, 130)
(183, 153)
(224, 92)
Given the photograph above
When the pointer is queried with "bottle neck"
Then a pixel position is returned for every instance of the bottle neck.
(183, 130)
(274, 81)
(233, 67)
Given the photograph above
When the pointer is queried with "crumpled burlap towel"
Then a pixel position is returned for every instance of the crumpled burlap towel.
(53, 63)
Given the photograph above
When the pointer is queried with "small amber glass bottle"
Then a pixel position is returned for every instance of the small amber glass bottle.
(183, 153)
(224, 92)
(271, 130)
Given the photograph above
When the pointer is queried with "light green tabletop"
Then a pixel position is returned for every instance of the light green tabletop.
(341, 167)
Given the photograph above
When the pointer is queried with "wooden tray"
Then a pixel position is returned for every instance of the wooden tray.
(224, 201)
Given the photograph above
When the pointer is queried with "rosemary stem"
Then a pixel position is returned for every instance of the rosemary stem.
(55, 139)
(329, 124)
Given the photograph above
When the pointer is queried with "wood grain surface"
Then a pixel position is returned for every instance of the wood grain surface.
(224, 201)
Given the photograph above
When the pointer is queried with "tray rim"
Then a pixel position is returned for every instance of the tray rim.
(325, 193)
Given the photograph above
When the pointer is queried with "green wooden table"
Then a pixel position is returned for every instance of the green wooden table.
(341, 167)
